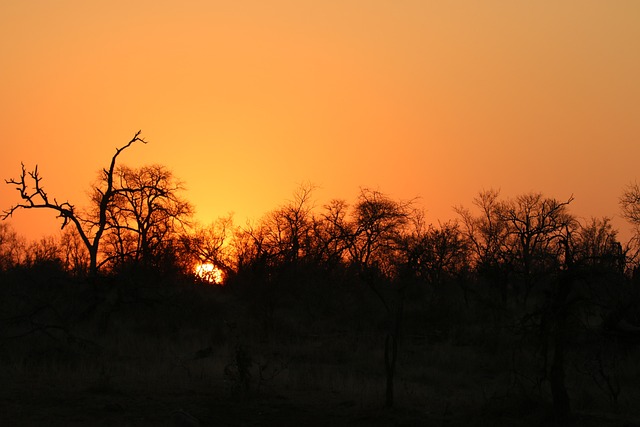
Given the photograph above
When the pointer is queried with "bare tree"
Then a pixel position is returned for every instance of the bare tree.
(33, 196)
(44, 251)
(248, 244)
(375, 231)
(329, 232)
(531, 237)
(596, 246)
(536, 225)
(630, 203)
(630, 206)
(486, 234)
(12, 247)
(212, 244)
(280, 240)
(374, 242)
(436, 252)
(73, 253)
(288, 229)
(144, 214)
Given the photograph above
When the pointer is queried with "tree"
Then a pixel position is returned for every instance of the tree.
(73, 253)
(586, 254)
(12, 247)
(597, 248)
(329, 233)
(540, 235)
(535, 225)
(437, 252)
(630, 203)
(630, 206)
(374, 243)
(288, 229)
(37, 198)
(44, 251)
(144, 213)
(211, 244)
(531, 238)
(249, 248)
(486, 235)
(374, 234)
(280, 242)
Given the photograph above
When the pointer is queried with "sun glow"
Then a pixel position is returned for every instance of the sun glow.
(210, 273)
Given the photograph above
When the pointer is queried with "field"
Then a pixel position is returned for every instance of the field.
(184, 354)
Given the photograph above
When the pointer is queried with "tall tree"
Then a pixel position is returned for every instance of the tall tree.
(144, 214)
(288, 229)
(486, 234)
(33, 196)
(535, 227)
(374, 239)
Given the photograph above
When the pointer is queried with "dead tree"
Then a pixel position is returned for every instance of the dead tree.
(34, 196)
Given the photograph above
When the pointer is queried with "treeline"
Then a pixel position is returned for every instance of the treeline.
(510, 243)
(522, 267)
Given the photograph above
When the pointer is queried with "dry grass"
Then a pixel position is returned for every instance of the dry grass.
(231, 363)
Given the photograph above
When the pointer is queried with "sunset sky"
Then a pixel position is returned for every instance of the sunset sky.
(246, 100)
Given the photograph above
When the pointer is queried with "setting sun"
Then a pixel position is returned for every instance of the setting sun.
(210, 273)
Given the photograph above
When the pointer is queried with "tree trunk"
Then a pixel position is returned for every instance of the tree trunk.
(93, 263)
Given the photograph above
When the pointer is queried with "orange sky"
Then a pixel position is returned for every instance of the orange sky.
(246, 99)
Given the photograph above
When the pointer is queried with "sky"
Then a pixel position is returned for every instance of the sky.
(246, 100)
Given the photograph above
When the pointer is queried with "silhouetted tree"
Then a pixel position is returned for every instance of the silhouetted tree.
(330, 234)
(535, 224)
(287, 230)
(596, 246)
(601, 298)
(212, 244)
(43, 250)
(437, 252)
(486, 235)
(589, 256)
(249, 248)
(90, 231)
(275, 248)
(528, 241)
(12, 247)
(73, 253)
(145, 213)
(630, 203)
(630, 206)
(374, 238)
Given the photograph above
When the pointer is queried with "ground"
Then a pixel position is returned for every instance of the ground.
(48, 404)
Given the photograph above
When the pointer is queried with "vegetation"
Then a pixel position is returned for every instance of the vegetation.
(516, 313)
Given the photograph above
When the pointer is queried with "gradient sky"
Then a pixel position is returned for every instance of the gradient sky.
(245, 100)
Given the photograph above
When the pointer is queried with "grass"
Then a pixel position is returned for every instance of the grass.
(209, 352)
(439, 382)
